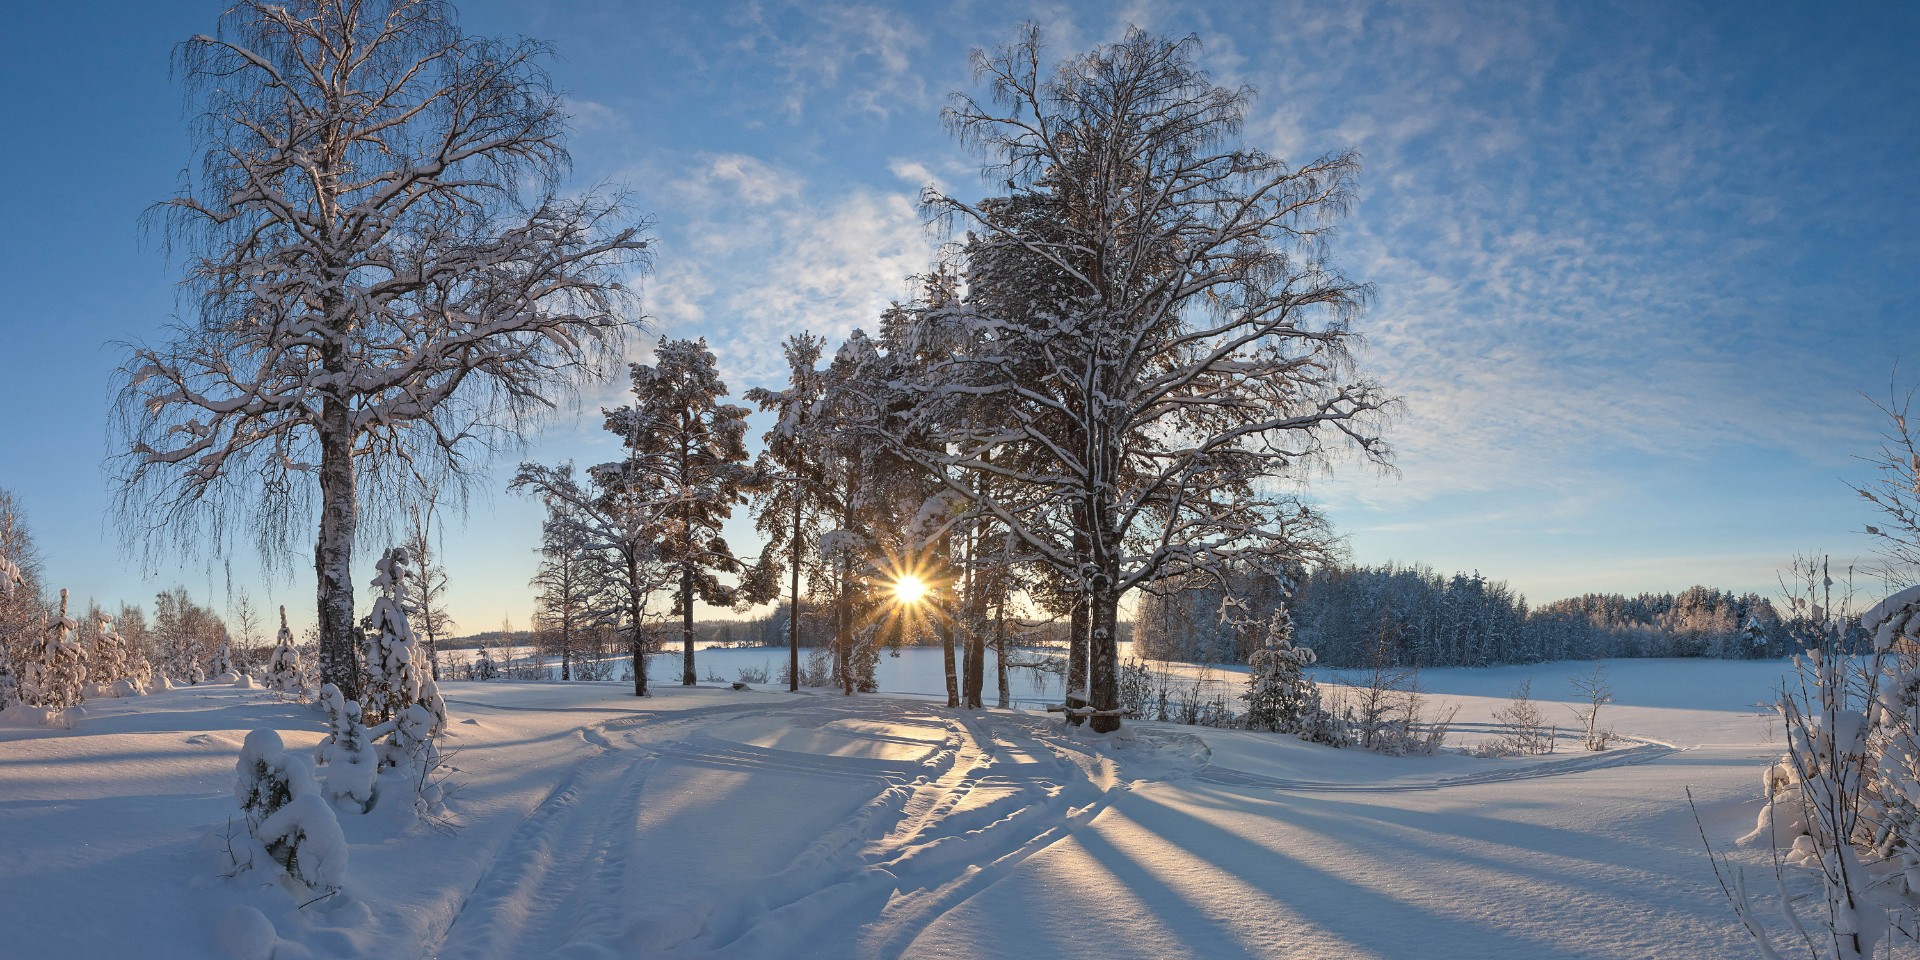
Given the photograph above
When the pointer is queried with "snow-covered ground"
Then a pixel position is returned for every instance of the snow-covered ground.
(710, 822)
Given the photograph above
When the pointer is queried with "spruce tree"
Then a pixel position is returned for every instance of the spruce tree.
(55, 678)
(283, 670)
(1279, 693)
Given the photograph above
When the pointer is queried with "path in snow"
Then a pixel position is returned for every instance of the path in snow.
(643, 847)
(826, 827)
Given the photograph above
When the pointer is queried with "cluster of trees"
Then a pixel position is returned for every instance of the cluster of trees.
(1096, 394)
(55, 653)
(1414, 616)
(1112, 378)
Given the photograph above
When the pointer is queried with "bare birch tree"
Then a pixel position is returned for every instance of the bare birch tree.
(384, 285)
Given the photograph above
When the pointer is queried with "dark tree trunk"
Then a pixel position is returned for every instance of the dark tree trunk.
(686, 626)
(638, 639)
(1103, 660)
(843, 634)
(1000, 648)
(943, 627)
(333, 553)
(793, 605)
(1077, 628)
(974, 621)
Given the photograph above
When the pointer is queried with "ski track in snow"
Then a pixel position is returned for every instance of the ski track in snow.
(989, 792)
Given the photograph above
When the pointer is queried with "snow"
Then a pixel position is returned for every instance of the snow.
(706, 821)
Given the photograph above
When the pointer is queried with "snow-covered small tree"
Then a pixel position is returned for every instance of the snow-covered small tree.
(56, 678)
(283, 666)
(565, 584)
(289, 822)
(1279, 694)
(430, 583)
(221, 666)
(793, 498)
(483, 667)
(347, 752)
(22, 616)
(396, 673)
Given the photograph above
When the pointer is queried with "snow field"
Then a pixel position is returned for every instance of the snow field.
(709, 822)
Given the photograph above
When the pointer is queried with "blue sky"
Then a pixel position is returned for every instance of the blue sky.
(1636, 263)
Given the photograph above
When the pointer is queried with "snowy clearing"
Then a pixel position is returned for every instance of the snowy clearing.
(712, 822)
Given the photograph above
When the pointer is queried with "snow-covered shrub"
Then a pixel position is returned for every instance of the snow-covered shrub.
(1593, 689)
(1321, 724)
(1524, 731)
(289, 822)
(55, 676)
(815, 671)
(347, 753)
(283, 667)
(1844, 802)
(1279, 693)
(483, 667)
(1144, 693)
(411, 756)
(1386, 711)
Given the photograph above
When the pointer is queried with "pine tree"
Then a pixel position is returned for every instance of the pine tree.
(483, 666)
(347, 753)
(793, 496)
(687, 448)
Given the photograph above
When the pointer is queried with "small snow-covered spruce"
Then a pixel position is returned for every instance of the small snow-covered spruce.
(283, 668)
(411, 755)
(289, 822)
(222, 665)
(1279, 694)
(347, 753)
(55, 678)
(396, 671)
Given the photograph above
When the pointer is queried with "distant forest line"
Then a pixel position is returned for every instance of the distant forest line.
(1355, 616)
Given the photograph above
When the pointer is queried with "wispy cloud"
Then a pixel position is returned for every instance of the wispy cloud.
(755, 252)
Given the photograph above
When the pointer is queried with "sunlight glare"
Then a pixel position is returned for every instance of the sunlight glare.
(909, 589)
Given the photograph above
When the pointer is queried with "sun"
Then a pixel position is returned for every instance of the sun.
(909, 589)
